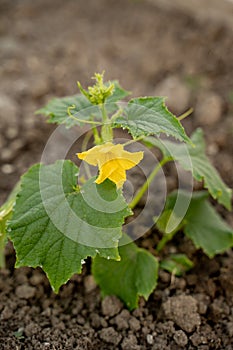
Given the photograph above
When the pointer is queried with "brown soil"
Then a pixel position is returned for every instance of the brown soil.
(45, 48)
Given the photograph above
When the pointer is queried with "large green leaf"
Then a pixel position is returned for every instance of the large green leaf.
(149, 116)
(56, 109)
(195, 160)
(134, 275)
(201, 223)
(56, 225)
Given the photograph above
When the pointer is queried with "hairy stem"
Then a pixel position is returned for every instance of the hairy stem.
(106, 131)
(147, 183)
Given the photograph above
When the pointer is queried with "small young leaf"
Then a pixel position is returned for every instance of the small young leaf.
(135, 275)
(149, 116)
(195, 160)
(201, 223)
(56, 225)
(56, 109)
(177, 264)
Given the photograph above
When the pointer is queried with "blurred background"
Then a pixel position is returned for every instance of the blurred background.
(179, 49)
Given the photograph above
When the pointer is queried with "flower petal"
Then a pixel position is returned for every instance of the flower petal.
(88, 156)
(112, 160)
(128, 160)
(118, 176)
(106, 171)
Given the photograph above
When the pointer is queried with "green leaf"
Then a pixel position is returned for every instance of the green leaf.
(56, 109)
(195, 160)
(56, 225)
(118, 94)
(149, 116)
(135, 275)
(201, 223)
(177, 264)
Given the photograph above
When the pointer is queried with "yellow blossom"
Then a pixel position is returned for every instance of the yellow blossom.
(112, 160)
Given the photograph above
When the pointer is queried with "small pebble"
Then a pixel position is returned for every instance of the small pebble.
(150, 339)
(7, 169)
(180, 338)
(209, 108)
(7, 154)
(11, 132)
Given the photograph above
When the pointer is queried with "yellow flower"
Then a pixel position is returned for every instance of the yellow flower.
(112, 161)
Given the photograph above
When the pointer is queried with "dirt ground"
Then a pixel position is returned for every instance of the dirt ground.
(45, 47)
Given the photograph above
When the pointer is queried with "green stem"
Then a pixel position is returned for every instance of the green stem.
(147, 183)
(86, 140)
(104, 113)
(166, 238)
(2, 249)
(80, 120)
(84, 121)
(185, 114)
(97, 138)
(106, 131)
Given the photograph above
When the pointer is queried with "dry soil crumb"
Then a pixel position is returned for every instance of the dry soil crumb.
(183, 311)
(111, 306)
